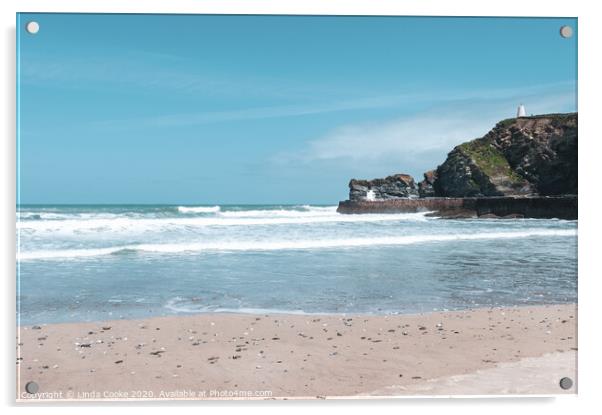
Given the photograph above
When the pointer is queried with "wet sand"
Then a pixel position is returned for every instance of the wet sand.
(520, 350)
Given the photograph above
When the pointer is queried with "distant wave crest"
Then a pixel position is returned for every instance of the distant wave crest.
(198, 209)
(258, 217)
(304, 211)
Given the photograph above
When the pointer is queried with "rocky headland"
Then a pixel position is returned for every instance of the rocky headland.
(523, 167)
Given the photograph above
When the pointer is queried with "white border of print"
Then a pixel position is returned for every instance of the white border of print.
(590, 151)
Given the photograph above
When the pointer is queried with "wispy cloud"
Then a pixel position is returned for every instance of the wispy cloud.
(423, 138)
(448, 98)
(172, 75)
(276, 111)
(142, 71)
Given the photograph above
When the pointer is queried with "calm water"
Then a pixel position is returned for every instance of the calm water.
(78, 263)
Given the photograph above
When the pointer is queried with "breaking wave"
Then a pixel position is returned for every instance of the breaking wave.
(122, 224)
(278, 245)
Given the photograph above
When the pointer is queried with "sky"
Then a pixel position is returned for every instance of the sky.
(192, 109)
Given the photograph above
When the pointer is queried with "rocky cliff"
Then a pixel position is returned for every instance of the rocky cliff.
(519, 156)
(523, 167)
(526, 156)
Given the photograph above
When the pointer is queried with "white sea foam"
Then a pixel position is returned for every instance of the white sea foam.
(230, 218)
(277, 245)
(180, 305)
(46, 216)
(198, 209)
(58, 218)
(319, 208)
(66, 253)
(302, 212)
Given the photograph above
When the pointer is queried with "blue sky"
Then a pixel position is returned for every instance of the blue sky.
(267, 109)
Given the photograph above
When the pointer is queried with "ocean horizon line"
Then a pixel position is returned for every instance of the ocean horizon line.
(182, 204)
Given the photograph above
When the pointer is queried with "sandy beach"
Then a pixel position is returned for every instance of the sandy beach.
(519, 350)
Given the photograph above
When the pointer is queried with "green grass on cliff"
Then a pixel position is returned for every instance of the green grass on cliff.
(489, 159)
(554, 117)
(506, 123)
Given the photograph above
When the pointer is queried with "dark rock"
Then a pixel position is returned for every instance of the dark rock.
(398, 186)
(542, 149)
(426, 186)
(519, 156)
(561, 207)
(477, 169)
(403, 206)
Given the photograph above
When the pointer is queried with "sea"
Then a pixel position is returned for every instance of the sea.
(98, 262)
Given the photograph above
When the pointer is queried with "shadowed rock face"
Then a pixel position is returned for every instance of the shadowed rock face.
(392, 187)
(543, 150)
(426, 187)
(520, 156)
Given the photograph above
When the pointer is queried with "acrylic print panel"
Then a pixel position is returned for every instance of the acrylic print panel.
(295, 206)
